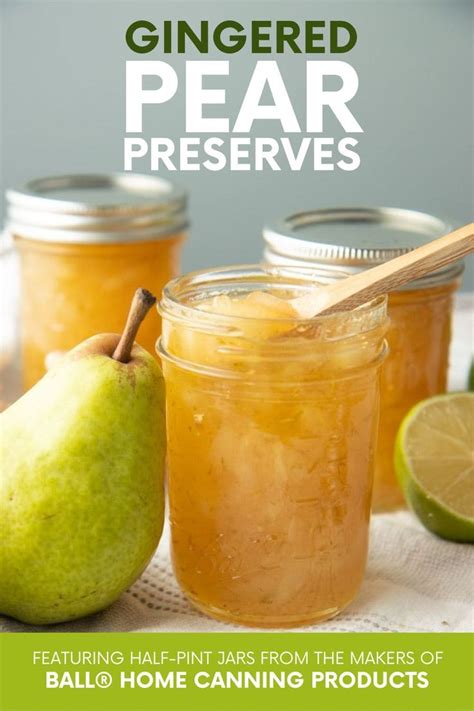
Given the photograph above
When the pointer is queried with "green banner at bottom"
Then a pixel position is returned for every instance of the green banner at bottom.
(236, 672)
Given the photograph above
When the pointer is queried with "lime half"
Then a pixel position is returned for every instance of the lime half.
(434, 459)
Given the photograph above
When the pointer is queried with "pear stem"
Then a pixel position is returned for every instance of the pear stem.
(142, 302)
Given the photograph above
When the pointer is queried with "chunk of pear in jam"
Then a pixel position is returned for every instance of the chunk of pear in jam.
(258, 315)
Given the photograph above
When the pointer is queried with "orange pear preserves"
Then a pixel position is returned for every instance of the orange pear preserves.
(271, 442)
(86, 243)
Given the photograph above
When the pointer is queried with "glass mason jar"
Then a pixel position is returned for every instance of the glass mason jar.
(347, 240)
(271, 437)
(86, 243)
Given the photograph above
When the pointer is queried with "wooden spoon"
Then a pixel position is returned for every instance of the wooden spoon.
(362, 287)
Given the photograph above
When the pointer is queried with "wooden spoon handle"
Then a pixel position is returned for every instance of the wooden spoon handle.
(364, 286)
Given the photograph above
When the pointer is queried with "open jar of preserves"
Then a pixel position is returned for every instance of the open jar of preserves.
(86, 242)
(271, 437)
(347, 240)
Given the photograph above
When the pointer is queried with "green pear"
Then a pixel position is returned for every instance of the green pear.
(81, 496)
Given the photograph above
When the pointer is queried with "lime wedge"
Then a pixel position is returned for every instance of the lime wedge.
(434, 459)
(470, 382)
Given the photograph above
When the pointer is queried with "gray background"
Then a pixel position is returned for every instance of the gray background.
(63, 109)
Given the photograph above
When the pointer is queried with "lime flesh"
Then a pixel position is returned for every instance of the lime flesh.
(434, 459)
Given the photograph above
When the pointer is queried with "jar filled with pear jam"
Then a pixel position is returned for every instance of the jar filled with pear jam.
(86, 242)
(348, 240)
(271, 426)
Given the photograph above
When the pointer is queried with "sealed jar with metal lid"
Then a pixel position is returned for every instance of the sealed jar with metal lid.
(353, 239)
(86, 243)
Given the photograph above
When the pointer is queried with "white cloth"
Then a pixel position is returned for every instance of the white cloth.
(414, 581)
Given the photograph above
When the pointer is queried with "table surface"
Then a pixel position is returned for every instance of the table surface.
(414, 581)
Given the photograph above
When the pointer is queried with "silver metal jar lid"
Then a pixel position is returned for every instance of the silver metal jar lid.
(96, 208)
(352, 239)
